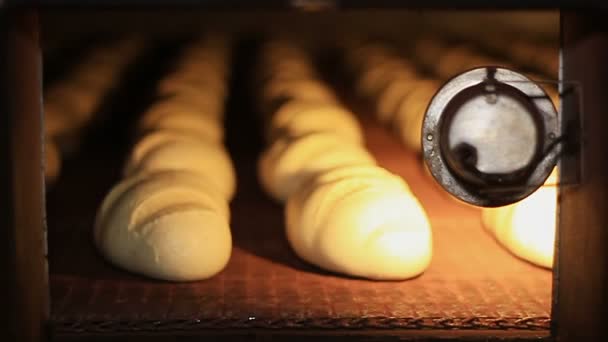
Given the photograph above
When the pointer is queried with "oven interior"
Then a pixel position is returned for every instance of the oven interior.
(473, 284)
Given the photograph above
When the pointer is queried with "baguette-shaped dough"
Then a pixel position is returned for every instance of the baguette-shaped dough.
(391, 83)
(305, 90)
(56, 119)
(207, 191)
(391, 97)
(300, 88)
(527, 228)
(170, 226)
(297, 118)
(410, 114)
(366, 224)
(180, 83)
(153, 140)
(343, 213)
(206, 127)
(169, 217)
(295, 203)
(71, 102)
(374, 79)
(188, 102)
(52, 162)
(208, 160)
(286, 70)
(287, 163)
(80, 104)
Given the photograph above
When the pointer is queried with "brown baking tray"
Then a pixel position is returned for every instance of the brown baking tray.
(472, 285)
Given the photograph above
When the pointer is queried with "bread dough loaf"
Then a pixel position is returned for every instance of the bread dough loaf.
(71, 102)
(297, 118)
(410, 114)
(362, 171)
(151, 141)
(195, 103)
(56, 121)
(205, 127)
(527, 228)
(391, 83)
(171, 226)
(391, 97)
(52, 162)
(169, 217)
(289, 162)
(179, 84)
(365, 224)
(208, 160)
(206, 191)
(284, 71)
(374, 79)
(306, 90)
(78, 102)
(343, 213)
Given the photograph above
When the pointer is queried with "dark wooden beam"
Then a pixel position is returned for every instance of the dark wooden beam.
(581, 286)
(23, 266)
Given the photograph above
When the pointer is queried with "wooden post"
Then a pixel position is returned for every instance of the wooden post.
(23, 265)
(581, 277)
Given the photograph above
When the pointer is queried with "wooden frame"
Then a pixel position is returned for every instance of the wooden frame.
(581, 277)
(25, 287)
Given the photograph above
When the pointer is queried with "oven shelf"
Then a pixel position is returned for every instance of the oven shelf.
(472, 282)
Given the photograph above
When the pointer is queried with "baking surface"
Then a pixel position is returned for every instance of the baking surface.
(471, 283)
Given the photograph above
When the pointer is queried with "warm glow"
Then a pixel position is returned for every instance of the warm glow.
(365, 226)
(527, 228)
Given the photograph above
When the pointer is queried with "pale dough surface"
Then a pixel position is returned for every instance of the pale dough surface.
(170, 226)
(195, 103)
(213, 197)
(390, 98)
(190, 123)
(297, 118)
(309, 90)
(367, 224)
(527, 228)
(209, 160)
(287, 163)
(151, 141)
(52, 162)
(375, 78)
(410, 114)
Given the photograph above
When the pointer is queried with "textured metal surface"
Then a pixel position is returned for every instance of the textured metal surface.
(467, 125)
(472, 282)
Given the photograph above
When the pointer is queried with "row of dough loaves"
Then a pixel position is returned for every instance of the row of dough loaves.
(343, 212)
(169, 217)
(70, 103)
(391, 83)
(448, 60)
